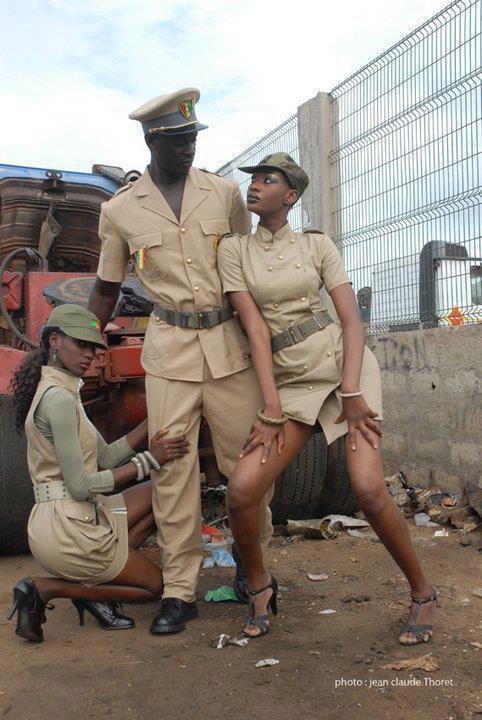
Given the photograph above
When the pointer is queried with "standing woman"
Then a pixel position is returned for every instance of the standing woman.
(312, 373)
(88, 541)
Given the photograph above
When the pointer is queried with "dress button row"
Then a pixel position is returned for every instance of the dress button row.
(281, 257)
(329, 353)
(269, 268)
(298, 265)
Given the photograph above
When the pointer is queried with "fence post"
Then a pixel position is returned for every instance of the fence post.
(315, 144)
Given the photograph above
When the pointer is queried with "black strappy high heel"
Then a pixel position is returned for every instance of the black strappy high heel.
(261, 621)
(419, 631)
(30, 609)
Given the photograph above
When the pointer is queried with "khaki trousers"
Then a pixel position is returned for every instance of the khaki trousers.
(229, 405)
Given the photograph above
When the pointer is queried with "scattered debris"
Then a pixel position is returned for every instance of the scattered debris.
(476, 645)
(441, 533)
(327, 528)
(425, 662)
(225, 640)
(329, 611)
(317, 578)
(477, 591)
(355, 598)
(423, 520)
(223, 593)
(266, 663)
(208, 562)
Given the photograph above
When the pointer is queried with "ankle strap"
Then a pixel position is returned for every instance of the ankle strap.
(427, 600)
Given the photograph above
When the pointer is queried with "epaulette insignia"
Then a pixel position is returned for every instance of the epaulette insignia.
(313, 231)
(210, 172)
(219, 237)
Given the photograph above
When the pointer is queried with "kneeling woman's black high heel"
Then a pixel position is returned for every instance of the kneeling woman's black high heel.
(30, 609)
(106, 613)
(261, 621)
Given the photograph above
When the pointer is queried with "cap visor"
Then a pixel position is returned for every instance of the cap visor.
(265, 168)
(91, 336)
(182, 131)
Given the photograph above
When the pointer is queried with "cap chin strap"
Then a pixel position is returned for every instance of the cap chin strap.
(163, 128)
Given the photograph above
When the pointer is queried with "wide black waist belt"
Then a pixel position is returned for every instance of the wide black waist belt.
(196, 321)
(297, 333)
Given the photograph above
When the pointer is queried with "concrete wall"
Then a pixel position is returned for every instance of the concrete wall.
(432, 404)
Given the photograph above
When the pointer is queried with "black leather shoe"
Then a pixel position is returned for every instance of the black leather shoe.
(240, 583)
(106, 613)
(172, 616)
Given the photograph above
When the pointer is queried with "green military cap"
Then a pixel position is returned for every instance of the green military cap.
(77, 322)
(171, 114)
(295, 175)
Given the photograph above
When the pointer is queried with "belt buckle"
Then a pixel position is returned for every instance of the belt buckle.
(295, 334)
(202, 319)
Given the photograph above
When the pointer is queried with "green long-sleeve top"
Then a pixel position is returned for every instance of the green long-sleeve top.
(56, 418)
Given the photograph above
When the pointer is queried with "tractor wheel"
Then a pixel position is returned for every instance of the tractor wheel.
(16, 495)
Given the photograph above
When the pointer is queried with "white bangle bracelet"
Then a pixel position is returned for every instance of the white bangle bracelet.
(352, 394)
(152, 460)
(139, 467)
(144, 462)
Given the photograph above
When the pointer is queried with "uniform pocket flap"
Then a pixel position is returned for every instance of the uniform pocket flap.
(144, 240)
(215, 226)
(78, 510)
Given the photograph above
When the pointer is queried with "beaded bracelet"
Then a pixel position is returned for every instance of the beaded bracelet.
(152, 460)
(139, 467)
(272, 421)
(352, 394)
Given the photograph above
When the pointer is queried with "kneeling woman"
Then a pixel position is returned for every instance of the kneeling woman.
(311, 372)
(87, 540)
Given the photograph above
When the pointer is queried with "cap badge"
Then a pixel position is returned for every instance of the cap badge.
(186, 109)
(95, 324)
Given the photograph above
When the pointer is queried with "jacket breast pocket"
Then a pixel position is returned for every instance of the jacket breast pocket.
(213, 229)
(148, 255)
(81, 510)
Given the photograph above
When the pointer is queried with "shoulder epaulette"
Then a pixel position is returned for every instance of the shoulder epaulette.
(313, 231)
(210, 172)
(222, 237)
(124, 188)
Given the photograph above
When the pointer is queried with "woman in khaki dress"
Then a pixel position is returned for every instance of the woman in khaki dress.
(312, 372)
(87, 540)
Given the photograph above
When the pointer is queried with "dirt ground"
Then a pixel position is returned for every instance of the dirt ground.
(330, 666)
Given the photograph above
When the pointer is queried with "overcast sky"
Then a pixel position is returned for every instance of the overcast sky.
(71, 72)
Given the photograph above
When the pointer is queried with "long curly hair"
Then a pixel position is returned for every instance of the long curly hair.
(27, 377)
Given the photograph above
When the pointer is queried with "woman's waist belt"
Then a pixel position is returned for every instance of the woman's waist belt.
(54, 490)
(196, 321)
(297, 333)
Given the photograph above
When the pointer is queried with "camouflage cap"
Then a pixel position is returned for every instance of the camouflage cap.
(295, 175)
(77, 322)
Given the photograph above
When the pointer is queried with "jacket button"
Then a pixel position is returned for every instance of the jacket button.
(196, 288)
(305, 367)
(303, 299)
(329, 353)
(281, 257)
(298, 265)
(189, 261)
(266, 247)
(292, 240)
(183, 230)
(86, 518)
(276, 305)
(310, 387)
(269, 268)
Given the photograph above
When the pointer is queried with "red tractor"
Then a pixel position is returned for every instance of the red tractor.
(49, 250)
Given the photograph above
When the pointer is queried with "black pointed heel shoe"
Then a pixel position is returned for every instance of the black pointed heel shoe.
(106, 613)
(261, 621)
(30, 609)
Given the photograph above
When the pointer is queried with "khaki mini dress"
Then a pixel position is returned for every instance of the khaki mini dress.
(82, 541)
(285, 273)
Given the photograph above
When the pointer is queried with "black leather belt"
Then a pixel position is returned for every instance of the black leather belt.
(195, 321)
(297, 333)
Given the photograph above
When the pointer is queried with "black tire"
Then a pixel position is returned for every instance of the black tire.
(337, 495)
(16, 495)
(298, 489)
(315, 484)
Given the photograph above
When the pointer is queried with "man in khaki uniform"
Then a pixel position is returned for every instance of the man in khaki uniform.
(196, 357)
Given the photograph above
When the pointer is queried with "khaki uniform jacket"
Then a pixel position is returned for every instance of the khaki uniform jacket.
(285, 273)
(176, 263)
(83, 541)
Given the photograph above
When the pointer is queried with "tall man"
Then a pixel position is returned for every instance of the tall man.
(196, 357)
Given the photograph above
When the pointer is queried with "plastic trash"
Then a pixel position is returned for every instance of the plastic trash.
(222, 557)
(268, 662)
(424, 520)
(208, 563)
(441, 533)
(224, 640)
(223, 593)
(317, 578)
(329, 611)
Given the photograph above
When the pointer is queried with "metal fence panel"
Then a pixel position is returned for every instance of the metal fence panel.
(407, 139)
(284, 138)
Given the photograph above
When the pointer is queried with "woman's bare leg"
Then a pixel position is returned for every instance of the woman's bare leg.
(247, 486)
(368, 482)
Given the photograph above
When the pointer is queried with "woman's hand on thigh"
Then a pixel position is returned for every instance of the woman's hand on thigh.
(360, 417)
(264, 434)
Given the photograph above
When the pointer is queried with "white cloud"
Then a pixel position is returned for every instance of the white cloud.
(70, 74)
